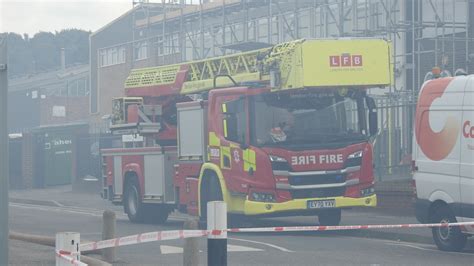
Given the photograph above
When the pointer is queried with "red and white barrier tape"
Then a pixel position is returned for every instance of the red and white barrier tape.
(342, 227)
(181, 234)
(65, 255)
(143, 238)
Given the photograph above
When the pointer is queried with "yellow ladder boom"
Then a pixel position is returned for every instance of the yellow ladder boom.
(323, 63)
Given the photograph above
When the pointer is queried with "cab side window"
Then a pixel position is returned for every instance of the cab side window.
(235, 120)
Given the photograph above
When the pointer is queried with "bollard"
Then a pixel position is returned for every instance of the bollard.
(190, 248)
(70, 243)
(108, 232)
(217, 243)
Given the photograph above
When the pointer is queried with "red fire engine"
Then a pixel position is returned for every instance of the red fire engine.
(284, 130)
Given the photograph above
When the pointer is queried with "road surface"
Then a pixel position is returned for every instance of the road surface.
(305, 248)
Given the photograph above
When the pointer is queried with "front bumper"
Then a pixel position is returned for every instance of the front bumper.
(264, 208)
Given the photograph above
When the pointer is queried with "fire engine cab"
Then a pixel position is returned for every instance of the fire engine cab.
(284, 130)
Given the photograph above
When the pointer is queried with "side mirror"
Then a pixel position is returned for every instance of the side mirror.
(373, 121)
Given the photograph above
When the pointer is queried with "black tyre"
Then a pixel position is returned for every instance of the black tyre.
(132, 203)
(210, 191)
(447, 238)
(157, 214)
(330, 217)
(238, 221)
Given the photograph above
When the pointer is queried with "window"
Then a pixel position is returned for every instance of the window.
(122, 55)
(114, 53)
(72, 88)
(307, 119)
(235, 120)
(112, 56)
(81, 87)
(103, 57)
(63, 91)
(140, 50)
(109, 57)
(161, 46)
(175, 43)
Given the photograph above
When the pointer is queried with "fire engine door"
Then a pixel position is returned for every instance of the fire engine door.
(235, 143)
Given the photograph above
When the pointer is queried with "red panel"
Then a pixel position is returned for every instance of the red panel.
(345, 60)
(186, 179)
(109, 160)
(191, 194)
(139, 150)
(334, 61)
(357, 60)
(132, 113)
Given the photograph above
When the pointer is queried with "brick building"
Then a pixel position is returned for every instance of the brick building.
(50, 98)
(45, 108)
(424, 34)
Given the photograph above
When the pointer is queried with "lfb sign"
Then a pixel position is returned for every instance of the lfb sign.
(345, 60)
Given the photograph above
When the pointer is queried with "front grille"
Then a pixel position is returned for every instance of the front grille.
(317, 179)
(318, 192)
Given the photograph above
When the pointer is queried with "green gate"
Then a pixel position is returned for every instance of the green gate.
(58, 159)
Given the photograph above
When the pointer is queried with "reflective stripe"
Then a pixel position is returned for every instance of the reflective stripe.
(250, 161)
(225, 127)
(225, 152)
(213, 139)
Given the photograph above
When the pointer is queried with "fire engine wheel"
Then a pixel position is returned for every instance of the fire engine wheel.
(330, 217)
(132, 203)
(447, 238)
(210, 191)
(157, 214)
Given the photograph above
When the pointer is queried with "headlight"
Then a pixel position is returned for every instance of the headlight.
(367, 191)
(277, 159)
(263, 197)
(354, 159)
(279, 163)
(357, 154)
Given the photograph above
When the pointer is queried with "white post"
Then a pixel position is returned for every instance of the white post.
(217, 243)
(68, 242)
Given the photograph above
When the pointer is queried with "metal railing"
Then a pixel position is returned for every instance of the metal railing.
(393, 146)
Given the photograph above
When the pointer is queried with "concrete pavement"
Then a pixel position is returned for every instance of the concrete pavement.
(28, 254)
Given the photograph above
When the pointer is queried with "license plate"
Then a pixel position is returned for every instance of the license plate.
(321, 204)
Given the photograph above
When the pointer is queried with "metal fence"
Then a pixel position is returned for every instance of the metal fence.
(393, 145)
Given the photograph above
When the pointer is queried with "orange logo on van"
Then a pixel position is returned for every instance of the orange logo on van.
(468, 130)
(435, 145)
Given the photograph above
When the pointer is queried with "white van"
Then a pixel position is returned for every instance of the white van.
(443, 152)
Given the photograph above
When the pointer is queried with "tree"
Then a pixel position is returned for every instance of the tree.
(20, 56)
(76, 45)
(42, 52)
(46, 51)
